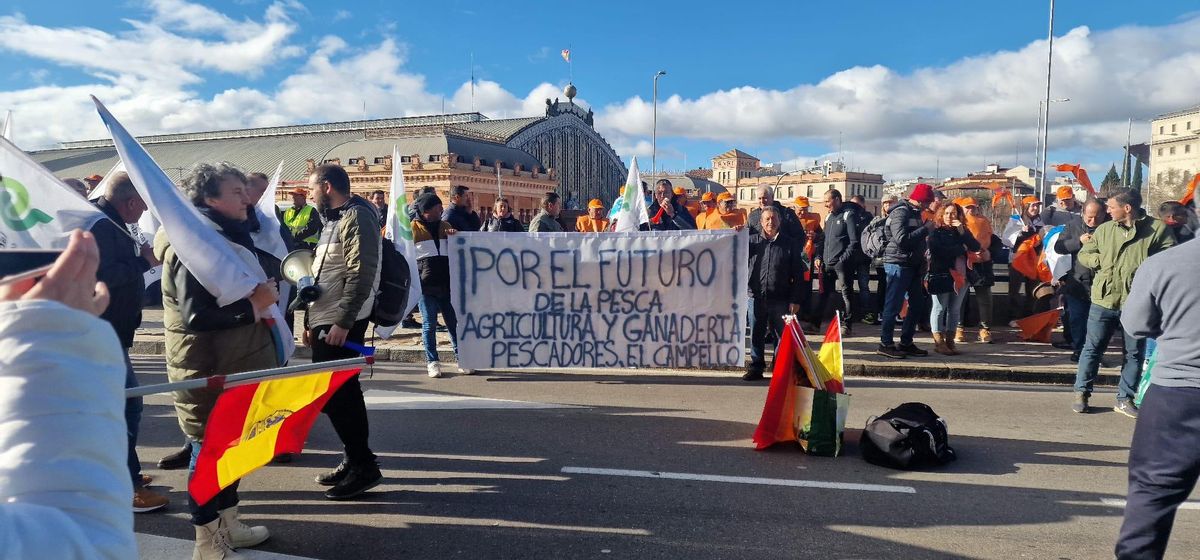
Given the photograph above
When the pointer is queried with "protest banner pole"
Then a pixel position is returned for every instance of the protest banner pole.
(246, 378)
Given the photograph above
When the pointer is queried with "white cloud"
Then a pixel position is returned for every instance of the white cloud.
(342, 15)
(974, 110)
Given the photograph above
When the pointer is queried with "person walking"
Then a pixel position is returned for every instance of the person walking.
(949, 245)
(1114, 252)
(205, 339)
(122, 266)
(502, 219)
(777, 285)
(905, 242)
(346, 267)
(1164, 457)
(843, 263)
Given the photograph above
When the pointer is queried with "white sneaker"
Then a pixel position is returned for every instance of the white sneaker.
(465, 371)
(435, 369)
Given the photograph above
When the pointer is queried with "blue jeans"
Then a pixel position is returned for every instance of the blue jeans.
(947, 311)
(430, 306)
(1102, 323)
(901, 281)
(203, 514)
(1077, 309)
(133, 418)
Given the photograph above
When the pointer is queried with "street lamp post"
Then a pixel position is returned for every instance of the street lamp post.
(1037, 155)
(654, 125)
(1046, 119)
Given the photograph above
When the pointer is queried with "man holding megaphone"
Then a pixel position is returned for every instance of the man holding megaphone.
(345, 272)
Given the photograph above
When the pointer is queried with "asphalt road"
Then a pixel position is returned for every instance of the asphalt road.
(518, 465)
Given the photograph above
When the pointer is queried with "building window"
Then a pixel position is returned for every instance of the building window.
(1160, 129)
(790, 195)
(1172, 128)
(1172, 150)
(1158, 177)
(1189, 125)
(1160, 151)
(1187, 148)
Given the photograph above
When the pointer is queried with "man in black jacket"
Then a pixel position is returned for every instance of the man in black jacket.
(460, 214)
(1076, 287)
(666, 213)
(790, 224)
(777, 285)
(122, 264)
(906, 234)
(842, 259)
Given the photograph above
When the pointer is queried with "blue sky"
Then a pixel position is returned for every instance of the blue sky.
(903, 84)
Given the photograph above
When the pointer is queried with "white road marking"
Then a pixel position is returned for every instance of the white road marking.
(1113, 502)
(405, 400)
(154, 547)
(744, 480)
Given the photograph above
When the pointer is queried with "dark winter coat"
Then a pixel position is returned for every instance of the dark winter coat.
(461, 218)
(777, 269)
(1078, 283)
(508, 223)
(121, 269)
(906, 236)
(842, 235)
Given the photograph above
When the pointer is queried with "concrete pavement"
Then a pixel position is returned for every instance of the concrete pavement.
(541, 475)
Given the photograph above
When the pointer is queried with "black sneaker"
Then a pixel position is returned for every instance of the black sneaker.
(890, 351)
(1074, 357)
(335, 476)
(1126, 407)
(1080, 405)
(358, 479)
(176, 460)
(912, 350)
(870, 319)
(410, 324)
(283, 458)
(752, 375)
(846, 329)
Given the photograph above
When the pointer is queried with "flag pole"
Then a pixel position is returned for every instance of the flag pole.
(249, 377)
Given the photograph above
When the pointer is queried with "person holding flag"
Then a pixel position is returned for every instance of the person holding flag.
(122, 264)
(205, 339)
(346, 268)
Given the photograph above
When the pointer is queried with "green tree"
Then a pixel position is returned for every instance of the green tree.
(1111, 181)
(1136, 182)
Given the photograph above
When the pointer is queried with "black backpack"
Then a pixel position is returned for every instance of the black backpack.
(394, 281)
(909, 436)
(873, 239)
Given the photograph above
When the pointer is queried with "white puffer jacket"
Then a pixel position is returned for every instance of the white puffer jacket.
(64, 485)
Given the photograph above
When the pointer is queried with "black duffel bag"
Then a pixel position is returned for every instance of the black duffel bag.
(909, 436)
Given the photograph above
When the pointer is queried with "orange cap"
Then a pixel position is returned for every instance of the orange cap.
(679, 191)
(595, 203)
(724, 196)
(1065, 193)
(708, 197)
(1030, 200)
(300, 190)
(801, 201)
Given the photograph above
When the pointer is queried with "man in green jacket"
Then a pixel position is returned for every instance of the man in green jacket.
(1115, 251)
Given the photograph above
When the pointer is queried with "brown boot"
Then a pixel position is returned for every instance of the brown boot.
(939, 344)
(985, 335)
(960, 335)
(950, 345)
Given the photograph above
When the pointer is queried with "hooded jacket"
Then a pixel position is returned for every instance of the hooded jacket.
(121, 269)
(906, 236)
(1115, 253)
(842, 235)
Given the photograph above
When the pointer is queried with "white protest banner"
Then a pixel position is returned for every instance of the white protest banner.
(600, 300)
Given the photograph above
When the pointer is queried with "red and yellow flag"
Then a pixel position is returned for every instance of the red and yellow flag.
(830, 357)
(797, 365)
(251, 424)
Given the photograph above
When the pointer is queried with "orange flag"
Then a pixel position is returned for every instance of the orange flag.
(1190, 194)
(1037, 327)
(1080, 175)
(251, 424)
(999, 193)
(1025, 258)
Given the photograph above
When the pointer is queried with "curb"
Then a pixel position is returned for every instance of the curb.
(854, 368)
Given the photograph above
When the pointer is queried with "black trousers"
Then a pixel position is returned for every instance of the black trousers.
(346, 408)
(764, 314)
(1164, 463)
(842, 279)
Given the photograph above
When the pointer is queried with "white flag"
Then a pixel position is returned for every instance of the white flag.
(268, 237)
(204, 251)
(36, 209)
(6, 132)
(632, 212)
(1058, 263)
(1012, 231)
(398, 228)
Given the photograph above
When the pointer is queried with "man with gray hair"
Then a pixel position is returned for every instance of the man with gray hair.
(122, 264)
(777, 285)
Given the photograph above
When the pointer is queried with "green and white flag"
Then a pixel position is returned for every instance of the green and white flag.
(398, 229)
(37, 211)
(630, 210)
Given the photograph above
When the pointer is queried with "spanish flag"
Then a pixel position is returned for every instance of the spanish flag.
(251, 424)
